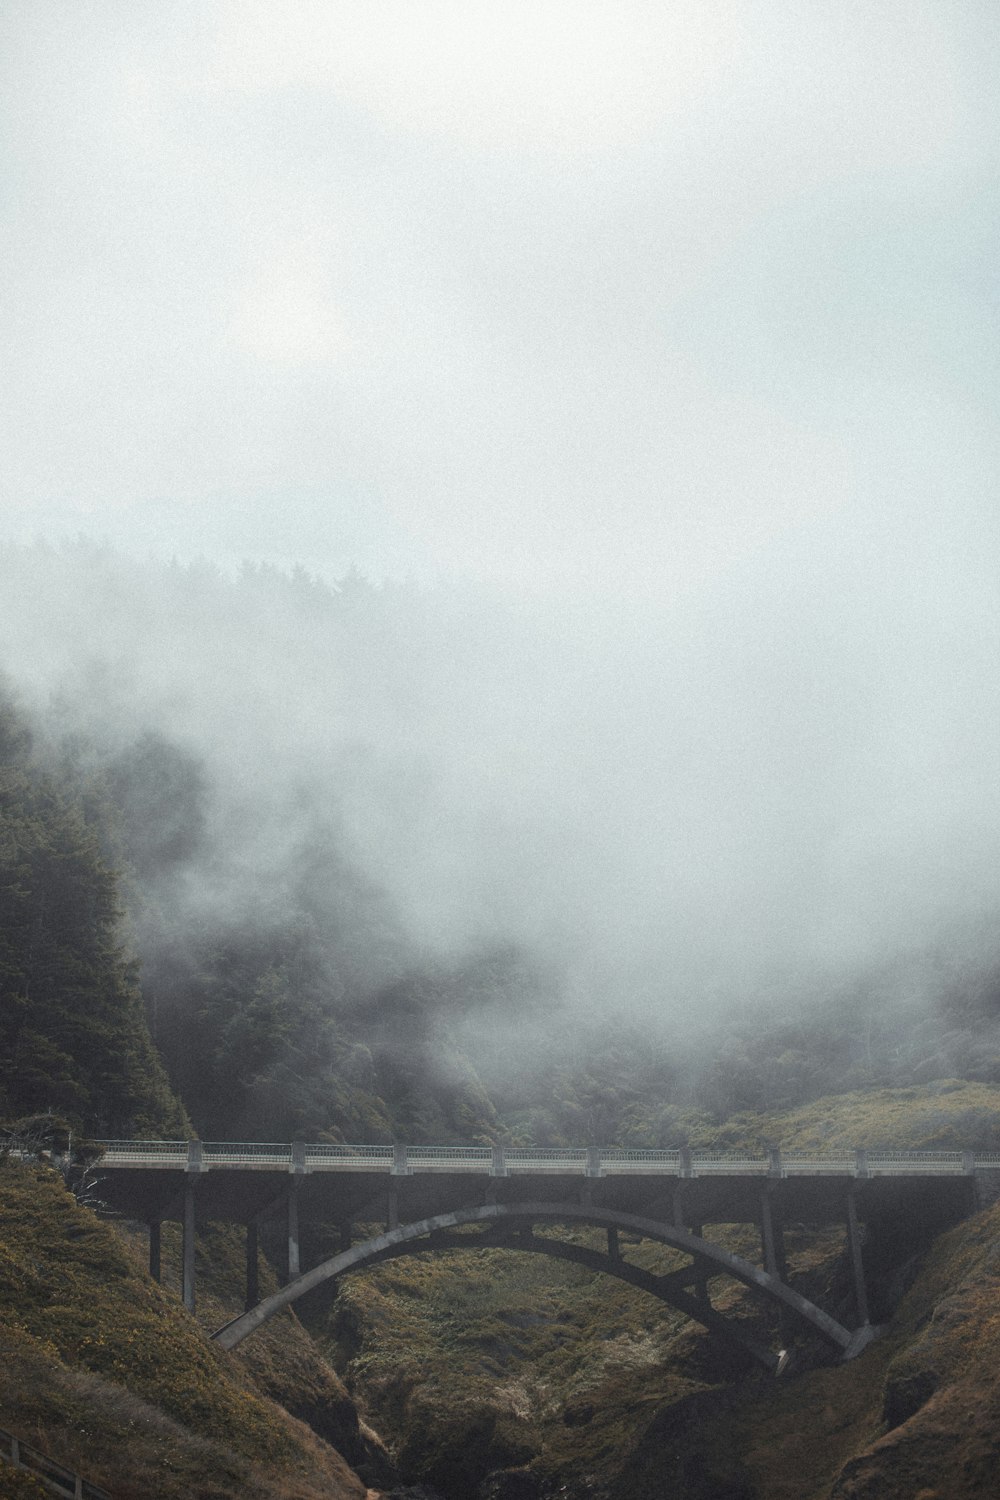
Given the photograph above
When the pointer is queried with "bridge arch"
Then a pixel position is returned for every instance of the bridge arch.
(436, 1233)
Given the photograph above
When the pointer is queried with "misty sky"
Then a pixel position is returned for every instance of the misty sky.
(675, 321)
(605, 294)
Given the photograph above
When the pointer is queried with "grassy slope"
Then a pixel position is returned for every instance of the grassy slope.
(947, 1115)
(496, 1359)
(104, 1371)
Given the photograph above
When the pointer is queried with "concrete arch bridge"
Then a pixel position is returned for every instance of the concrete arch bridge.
(464, 1197)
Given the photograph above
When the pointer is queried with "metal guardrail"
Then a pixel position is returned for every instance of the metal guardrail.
(59, 1480)
(251, 1152)
(145, 1148)
(504, 1160)
(449, 1153)
(326, 1149)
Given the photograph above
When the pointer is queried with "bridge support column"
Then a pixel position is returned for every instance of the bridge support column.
(154, 1249)
(614, 1252)
(679, 1206)
(701, 1280)
(187, 1248)
(772, 1240)
(857, 1264)
(392, 1207)
(253, 1267)
(293, 1229)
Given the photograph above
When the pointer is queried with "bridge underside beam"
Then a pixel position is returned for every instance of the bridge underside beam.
(857, 1264)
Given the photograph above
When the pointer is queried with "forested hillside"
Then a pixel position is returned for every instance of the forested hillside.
(319, 829)
(73, 1034)
(202, 930)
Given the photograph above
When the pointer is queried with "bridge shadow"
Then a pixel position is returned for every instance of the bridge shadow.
(511, 1226)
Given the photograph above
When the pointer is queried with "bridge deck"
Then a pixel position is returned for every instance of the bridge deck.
(338, 1188)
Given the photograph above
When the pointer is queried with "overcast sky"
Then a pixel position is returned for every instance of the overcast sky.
(676, 320)
(548, 294)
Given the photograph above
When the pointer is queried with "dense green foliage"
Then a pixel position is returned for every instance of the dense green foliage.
(73, 1036)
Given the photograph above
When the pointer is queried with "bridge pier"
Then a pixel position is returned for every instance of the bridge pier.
(292, 1212)
(679, 1206)
(614, 1253)
(772, 1237)
(392, 1207)
(857, 1263)
(700, 1279)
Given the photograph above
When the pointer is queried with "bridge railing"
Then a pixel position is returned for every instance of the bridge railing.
(545, 1158)
(341, 1156)
(449, 1156)
(893, 1163)
(632, 1161)
(141, 1152)
(337, 1151)
(818, 1163)
(726, 1165)
(239, 1153)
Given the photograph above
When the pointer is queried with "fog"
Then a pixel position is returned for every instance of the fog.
(743, 793)
(643, 361)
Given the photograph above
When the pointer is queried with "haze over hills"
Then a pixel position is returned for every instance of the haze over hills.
(368, 832)
(485, 1378)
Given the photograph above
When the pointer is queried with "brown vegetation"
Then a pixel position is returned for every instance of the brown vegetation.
(104, 1371)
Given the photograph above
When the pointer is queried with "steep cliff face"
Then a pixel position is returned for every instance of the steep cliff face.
(915, 1415)
(107, 1373)
(939, 1427)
